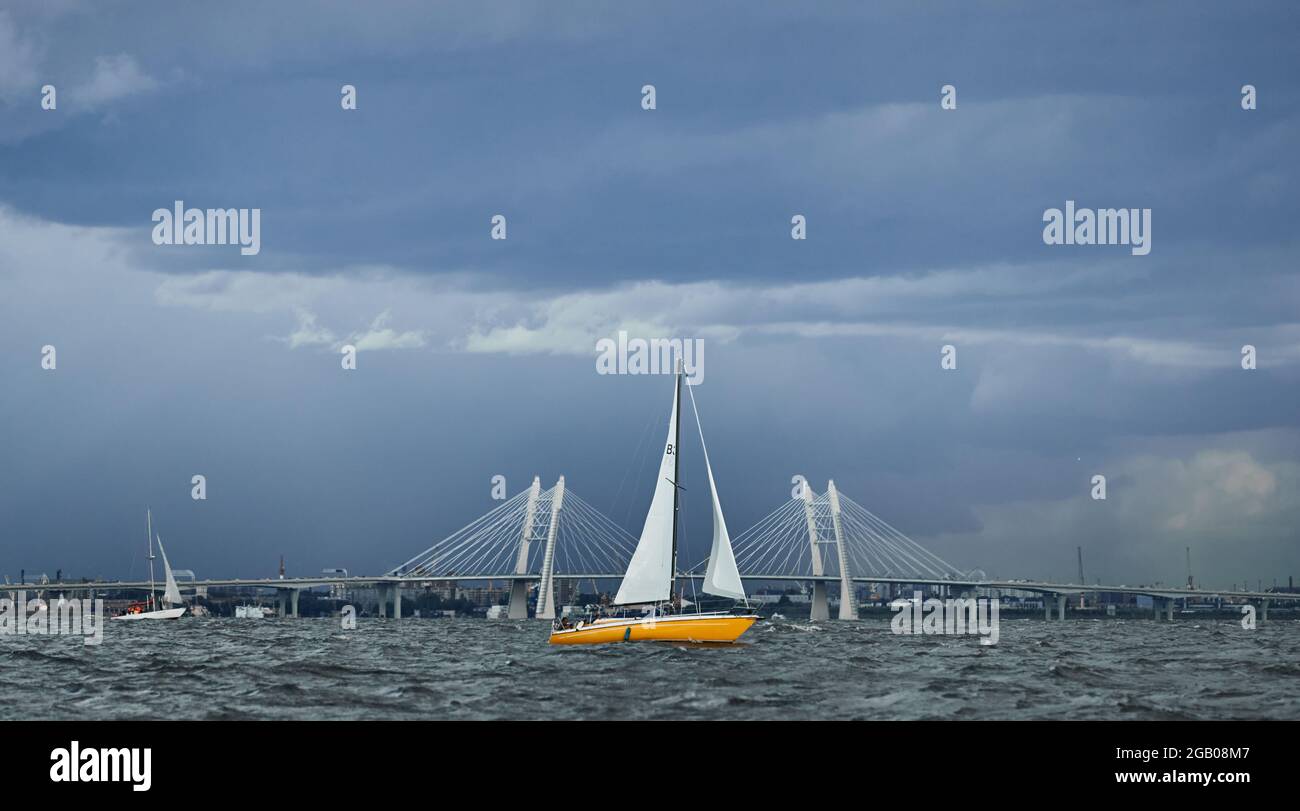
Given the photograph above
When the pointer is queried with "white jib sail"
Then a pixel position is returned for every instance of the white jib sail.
(721, 577)
(171, 594)
(650, 573)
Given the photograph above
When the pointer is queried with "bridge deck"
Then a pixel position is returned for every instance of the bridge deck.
(363, 581)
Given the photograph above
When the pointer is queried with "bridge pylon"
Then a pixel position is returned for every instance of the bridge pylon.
(519, 586)
(546, 590)
(848, 601)
(820, 608)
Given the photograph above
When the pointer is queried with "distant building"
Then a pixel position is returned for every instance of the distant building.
(482, 596)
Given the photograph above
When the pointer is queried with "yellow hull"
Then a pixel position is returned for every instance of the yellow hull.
(678, 628)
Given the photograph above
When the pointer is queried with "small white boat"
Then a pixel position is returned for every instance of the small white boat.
(160, 614)
(149, 610)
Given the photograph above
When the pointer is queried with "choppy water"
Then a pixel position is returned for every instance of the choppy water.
(479, 669)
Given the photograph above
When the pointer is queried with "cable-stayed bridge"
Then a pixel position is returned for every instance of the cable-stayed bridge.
(831, 537)
(544, 536)
(547, 534)
(553, 534)
(825, 540)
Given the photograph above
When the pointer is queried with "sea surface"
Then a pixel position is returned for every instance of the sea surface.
(488, 669)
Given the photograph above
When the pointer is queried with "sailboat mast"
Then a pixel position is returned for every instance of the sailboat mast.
(149, 514)
(677, 468)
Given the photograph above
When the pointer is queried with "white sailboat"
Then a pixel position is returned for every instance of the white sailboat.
(652, 572)
(149, 609)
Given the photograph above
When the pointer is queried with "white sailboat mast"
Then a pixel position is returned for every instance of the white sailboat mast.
(677, 468)
(149, 514)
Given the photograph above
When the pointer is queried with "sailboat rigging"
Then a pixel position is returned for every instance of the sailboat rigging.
(651, 576)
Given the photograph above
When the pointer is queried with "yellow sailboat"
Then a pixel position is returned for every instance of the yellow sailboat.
(645, 595)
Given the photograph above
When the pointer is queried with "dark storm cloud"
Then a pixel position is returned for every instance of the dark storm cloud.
(467, 111)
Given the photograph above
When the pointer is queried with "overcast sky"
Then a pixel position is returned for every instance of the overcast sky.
(477, 356)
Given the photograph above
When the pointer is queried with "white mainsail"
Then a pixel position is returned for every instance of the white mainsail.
(721, 577)
(650, 574)
(171, 594)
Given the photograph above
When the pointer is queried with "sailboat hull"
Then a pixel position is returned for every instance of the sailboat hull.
(160, 614)
(672, 628)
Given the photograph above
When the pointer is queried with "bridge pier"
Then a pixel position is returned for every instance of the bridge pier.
(279, 603)
(381, 592)
(1263, 610)
(293, 602)
(1060, 600)
(397, 600)
(820, 610)
(518, 599)
(1162, 609)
